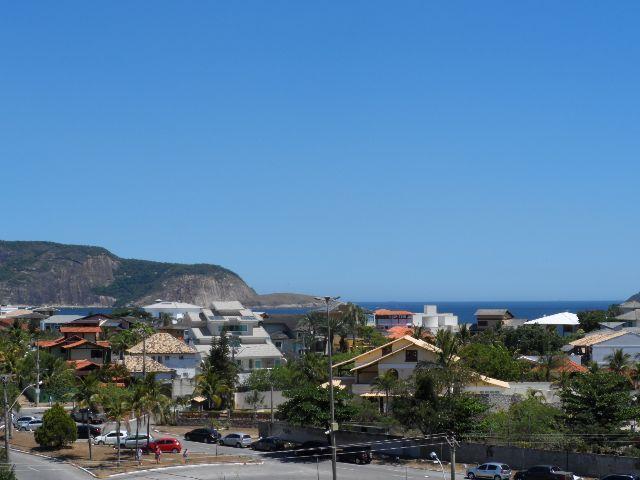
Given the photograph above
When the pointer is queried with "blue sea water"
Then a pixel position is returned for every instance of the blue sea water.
(464, 310)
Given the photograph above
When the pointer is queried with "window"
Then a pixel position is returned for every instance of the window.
(181, 357)
(278, 344)
(410, 355)
(258, 363)
(166, 358)
(492, 467)
(482, 467)
(236, 328)
(386, 350)
(482, 323)
(96, 353)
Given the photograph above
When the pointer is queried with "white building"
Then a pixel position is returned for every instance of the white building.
(170, 352)
(176, 309)
(433, 320)
(252, 347)
(565, 323)
(625, 340)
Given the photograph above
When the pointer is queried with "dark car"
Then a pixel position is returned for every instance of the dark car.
(621, 476)
(543, 472)
(205, 435)
(271, 444)
(313, 448)
(92, 429)
(87, 415)
(360, 455)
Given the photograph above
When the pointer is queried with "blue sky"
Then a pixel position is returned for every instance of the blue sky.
(378, 150)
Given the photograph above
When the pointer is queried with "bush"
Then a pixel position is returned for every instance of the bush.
(58, 429)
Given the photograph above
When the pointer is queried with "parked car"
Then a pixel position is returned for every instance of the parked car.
(360, 455)
(31, 425)
(165, 444)
(313, 447)
(22, 421)
(493, 470)
(109, 438)
(271, 444)
(237, 439)
(91, 429)
(621, 476)
(130, 441)
(544, 472)
(82, 415)
(206, 435)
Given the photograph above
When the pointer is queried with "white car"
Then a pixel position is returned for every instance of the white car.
(22, 421)
(31, 425)
(110, 438)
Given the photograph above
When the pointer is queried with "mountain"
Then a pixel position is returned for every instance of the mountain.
(47, 273)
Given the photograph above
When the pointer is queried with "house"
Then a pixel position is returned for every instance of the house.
(612, 325)
(252, 347)
(401, 357)
(487, 318)
(82, 368)
(599, 345)
(631, 318)
(176, 310)
(384, 319)
(629, 306)
(432, 320)
(54, 322)
(133, 363)
(170, 352)
(74, 348)
(284, 333)
(565, 323)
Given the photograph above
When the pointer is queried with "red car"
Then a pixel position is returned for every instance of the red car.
(166, 445)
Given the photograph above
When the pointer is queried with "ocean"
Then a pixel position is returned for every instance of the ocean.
(464, 310)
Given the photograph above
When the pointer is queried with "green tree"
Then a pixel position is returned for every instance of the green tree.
(308, 405)
(116, 404)
(87, 397)
(532, 340)
(619, 362)
(494, 361)
(598, 402)
(219, 359)
(254, 399)
(213, 387)
(590, 319)
(58, 429)
(386, 383)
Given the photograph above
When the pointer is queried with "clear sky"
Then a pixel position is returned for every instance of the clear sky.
(378, 150)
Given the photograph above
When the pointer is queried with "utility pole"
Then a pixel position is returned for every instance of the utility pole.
(333, 427)
(5, 380)
(37, 373)
(271, 385)
(453, 443)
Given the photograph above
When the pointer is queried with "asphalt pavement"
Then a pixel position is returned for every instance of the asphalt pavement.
(31, 467)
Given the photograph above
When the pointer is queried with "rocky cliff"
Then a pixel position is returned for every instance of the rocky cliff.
(39, 273)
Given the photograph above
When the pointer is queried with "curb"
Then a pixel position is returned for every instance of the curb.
(48, 457)
(160, 469)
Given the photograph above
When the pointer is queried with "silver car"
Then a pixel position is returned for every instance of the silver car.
(492, 470)
(31, 425)
(23, 421)
(130, 442)
(237, 439)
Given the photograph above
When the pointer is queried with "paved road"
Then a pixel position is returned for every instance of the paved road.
(30, 467)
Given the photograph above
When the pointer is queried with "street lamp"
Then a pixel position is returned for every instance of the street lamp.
(434, 456)
(332, 428)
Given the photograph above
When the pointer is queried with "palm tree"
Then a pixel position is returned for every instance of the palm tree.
(87, 396)
(464, 334)
(312, 324)
(619, 361)
(548, 364)
(116, 404)
(449, 345)
(386, 383)
(153, 400)
(213, 387)
(354, 320)
(635, 372)
(137, 407)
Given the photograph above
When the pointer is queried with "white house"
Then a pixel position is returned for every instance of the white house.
(176, 309)
(170, 352)
(433, 320)
(252, 347)
(627, 341)
(564, 322)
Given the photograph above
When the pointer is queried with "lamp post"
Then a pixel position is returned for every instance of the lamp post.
(5, 380)
(332, 428)
(434, 456)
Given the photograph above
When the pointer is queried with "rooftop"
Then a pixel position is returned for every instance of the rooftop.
(170, 305)
(595, 338)
(163, 343)
(133, 363)
(562, 318)
(384, 311)
(492, 312)
(80, 329)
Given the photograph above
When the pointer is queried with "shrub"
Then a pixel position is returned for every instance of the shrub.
(58, 429)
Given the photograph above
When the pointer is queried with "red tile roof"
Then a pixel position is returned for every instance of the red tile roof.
(80, 329)
(384, 311)
(82, 364)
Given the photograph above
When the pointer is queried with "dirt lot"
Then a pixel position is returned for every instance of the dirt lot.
(104, 457)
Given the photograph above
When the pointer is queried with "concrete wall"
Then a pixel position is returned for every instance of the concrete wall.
(241, 403)
(586, 464)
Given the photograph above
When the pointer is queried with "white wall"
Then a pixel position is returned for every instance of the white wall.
(241, 402)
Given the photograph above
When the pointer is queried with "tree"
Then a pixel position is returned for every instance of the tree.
(494, 361)
(386, 383)
(87, 395)
(116, 404)
(590, 319)
(311, 325)
(58, 429)
(598, 402)
(219, 359)
(548, 363)
(421, 405)
(619, 362)
(254, 399)
(125, 339)
(449, 345)
(212, 386)
(464, 334)
(532, 340)
(308, 405)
